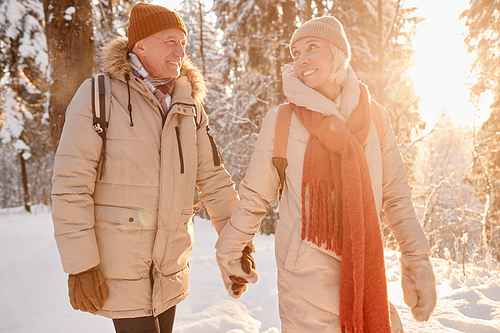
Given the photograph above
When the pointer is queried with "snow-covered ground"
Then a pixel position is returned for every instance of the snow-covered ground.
(33, 292)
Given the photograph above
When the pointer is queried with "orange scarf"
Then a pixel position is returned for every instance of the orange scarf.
(335, 164)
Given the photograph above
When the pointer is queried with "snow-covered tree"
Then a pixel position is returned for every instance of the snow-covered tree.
(445, 200)
(23, 87)
(483, 39)
(110, 20)
(254, 43)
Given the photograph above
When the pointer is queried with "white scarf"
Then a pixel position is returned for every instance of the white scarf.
(152, 83)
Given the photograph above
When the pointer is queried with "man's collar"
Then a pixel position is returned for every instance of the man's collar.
(143, 74)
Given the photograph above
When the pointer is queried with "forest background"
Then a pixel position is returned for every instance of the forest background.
(48, 48)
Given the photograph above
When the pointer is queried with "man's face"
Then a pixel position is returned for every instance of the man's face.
(161, 54)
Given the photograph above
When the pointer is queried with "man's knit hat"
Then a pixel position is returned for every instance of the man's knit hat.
(326, 27)
(146, 20)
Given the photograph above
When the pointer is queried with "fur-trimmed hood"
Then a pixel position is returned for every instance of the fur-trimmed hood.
(114, 60)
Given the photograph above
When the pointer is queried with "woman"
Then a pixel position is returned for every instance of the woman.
(329, 252)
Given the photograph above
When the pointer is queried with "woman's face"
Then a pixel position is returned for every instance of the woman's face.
(313, 65)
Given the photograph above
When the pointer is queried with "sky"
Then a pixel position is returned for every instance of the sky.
(442, 66)
(34, 296)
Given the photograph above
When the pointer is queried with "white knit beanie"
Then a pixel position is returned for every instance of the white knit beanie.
(326, 27)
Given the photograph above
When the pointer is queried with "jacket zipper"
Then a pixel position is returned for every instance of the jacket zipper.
(181, 157)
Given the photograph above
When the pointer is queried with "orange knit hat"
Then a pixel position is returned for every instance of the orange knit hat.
(146, 20)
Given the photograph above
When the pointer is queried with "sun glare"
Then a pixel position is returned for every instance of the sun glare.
(442, 65)
(442, 70)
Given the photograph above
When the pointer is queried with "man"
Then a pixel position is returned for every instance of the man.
(123, 221)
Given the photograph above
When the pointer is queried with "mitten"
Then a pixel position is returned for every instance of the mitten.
(237, 270)
(419, 285)
(87, 290)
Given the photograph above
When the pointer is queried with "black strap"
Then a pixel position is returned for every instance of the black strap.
(99, 122)
(93, 103)
(102, 106)
(218, 160)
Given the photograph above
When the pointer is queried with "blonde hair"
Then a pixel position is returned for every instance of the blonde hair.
(340, 64)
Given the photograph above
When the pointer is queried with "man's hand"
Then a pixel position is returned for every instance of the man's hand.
(87, 290)
(237, 270)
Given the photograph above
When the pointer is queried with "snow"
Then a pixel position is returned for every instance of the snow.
(33, 294)
(13, 117)
(70, 10)
(20, 146)
(69, 13)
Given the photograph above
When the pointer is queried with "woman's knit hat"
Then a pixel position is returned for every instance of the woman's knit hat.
(146, 20)
(326, 27)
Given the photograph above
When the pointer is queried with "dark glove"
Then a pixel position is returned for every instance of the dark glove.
(239, 284)
(247, 262)
(87, 290)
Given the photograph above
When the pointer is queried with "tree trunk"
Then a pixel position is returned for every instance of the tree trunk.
(24, 177)
(287, 28)
(201, 23)
(380, 48)
(70, 46)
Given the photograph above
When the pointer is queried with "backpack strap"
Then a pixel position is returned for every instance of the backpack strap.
(101, 105)
(280, 161)
(377, 120)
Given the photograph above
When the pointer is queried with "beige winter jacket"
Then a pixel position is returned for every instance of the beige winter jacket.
(308, 276)
(139, 215)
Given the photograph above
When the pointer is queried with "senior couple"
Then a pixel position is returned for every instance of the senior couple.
(125, 236)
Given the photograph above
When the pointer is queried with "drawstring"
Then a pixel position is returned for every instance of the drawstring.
(127, 78)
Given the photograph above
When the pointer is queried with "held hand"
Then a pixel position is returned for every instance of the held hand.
(247, 262)
(87, 290)
(419, 285)
(237, 270)
(239, 285)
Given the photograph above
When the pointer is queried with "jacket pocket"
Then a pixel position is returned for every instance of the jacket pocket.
(121, 215)
(179, 244)
(175, 285)
(118, 233)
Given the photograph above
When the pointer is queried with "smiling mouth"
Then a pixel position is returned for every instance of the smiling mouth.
(309, 72)
(174, 63)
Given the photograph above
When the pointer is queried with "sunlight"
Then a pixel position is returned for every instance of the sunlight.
(442, 70)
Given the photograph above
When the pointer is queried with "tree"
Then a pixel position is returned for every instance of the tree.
(445, 199)
(23, 130)
(255, 48)
(70, 44)
(483, 39)
(110, 20)
(25, 133)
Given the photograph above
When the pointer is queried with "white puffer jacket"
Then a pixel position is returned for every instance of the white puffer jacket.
(308, 276)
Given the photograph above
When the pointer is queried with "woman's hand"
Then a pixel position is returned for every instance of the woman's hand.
(237, 270)
(419, 285)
